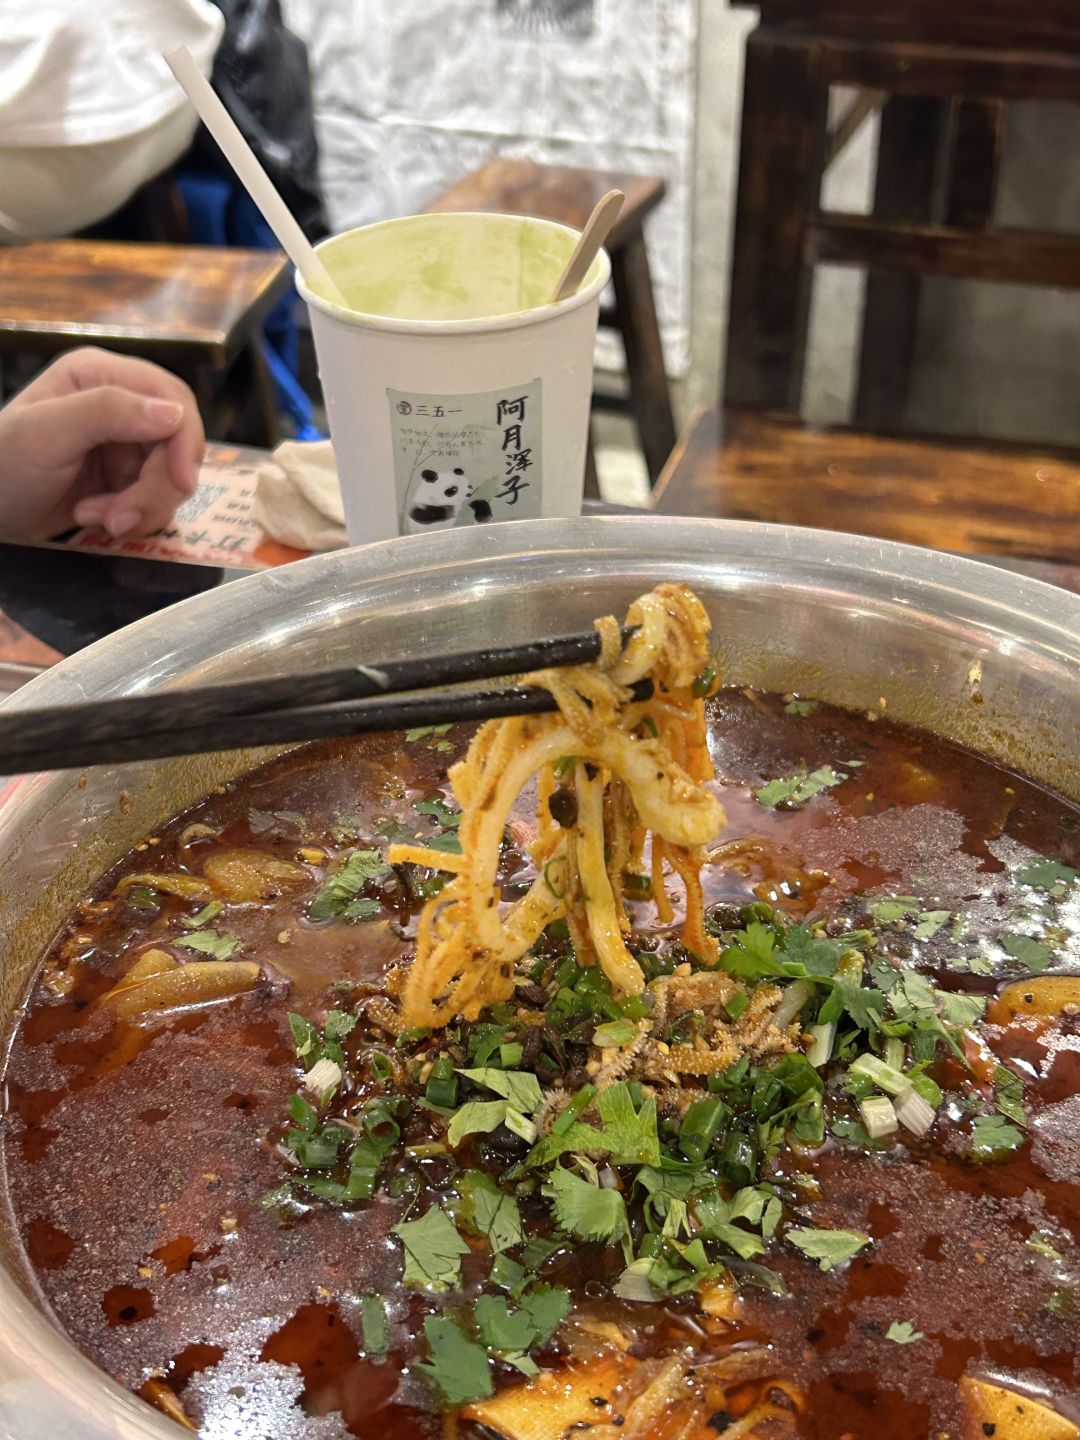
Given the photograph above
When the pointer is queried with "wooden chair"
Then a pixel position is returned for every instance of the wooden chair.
(558, 192)
(197, 310)
(946, 69)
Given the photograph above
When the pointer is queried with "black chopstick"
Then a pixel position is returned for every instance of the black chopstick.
(310, 722)
(54, 729)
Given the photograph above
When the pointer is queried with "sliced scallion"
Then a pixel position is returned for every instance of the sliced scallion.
(878, 1116)
(913, 1112)
(820, 1052)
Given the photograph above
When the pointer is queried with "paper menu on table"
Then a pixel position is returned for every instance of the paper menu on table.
(215, 527)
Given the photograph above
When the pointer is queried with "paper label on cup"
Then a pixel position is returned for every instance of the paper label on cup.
(467, 459)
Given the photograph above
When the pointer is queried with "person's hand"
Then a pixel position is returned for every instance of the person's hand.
(97, 439)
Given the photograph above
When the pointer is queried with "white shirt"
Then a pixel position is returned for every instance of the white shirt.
(78, 72)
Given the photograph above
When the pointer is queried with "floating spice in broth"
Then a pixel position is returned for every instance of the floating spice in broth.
(677, 1095)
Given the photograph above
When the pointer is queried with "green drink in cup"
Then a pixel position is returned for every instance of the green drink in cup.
(457, 394)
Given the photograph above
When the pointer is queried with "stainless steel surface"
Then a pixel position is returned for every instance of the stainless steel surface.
(986, 657)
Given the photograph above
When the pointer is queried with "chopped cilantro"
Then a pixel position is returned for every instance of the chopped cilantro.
(930, 922)
(421, 732)
(992, 1137)
(203, 916)
(628, 1132)
(1045, 874)
(210, 942)
(447, 843)
(1028, 951)
(437, 807)
(433, 1250)
(1009, 1095)
(753, 953)
(499, 1327)
(519, 1087)
(339, 896)
(459, 1367)
(585, 1210)
(828, 1247)
(793, 790)
(486, 1210)
(887, 912)
(373, 1324)
(141, 897)
(800, 707)
(903, 1332)
(547, 1306)
(1042, 1244)
(394, 831)
(339, 1023)
(476, 1116)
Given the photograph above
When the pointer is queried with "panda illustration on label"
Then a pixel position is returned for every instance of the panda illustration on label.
(435, 500)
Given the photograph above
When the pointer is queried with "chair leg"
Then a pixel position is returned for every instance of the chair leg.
(635, 309)
(976, 143)
(781, 159)
(909, 150)
(592, 483)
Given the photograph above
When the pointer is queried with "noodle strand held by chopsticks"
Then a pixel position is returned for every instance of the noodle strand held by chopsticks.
(610, 773)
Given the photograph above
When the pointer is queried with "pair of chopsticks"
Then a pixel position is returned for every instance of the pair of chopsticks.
(312, 705)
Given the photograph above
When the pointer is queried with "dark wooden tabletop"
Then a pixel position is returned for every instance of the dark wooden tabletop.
(1008, 501)
(187, 302)
(555, 192)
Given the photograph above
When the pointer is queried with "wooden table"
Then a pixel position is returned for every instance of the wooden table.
(196, 309)
(1012, 502)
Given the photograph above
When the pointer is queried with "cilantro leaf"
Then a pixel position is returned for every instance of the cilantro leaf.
(1028, 951)
(547, 1306)
(499, 1327)
(903, 1332)
(1009, 1095)
(341, 889)
(209, 942)
(203, 916)
(475, 1116)
(437, 807)
(459, 1367)
(585, 1210)
(957, 1008)
(339, 1023)
(992, 1137)
(793, 790)
(373, 1323)
(519, 1087)
(447, 843)
(753, 953)
(1045, 874)
(433, 1250)
(930, 922)
(487, 1210)
(629, 1134)
(828, 1247)
(394, 831)
(896, 907)
(814, 956)
(801, 707)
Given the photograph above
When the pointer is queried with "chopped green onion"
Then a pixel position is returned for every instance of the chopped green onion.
(795, 997)
(703, 683)
(578, 1105)
(820, 1052)
(510, 1055)
(737, 1004)
(699, 1127)
(913, 1112)
(895, 1052)
(520, 1124)
(379, 1065)
(878, 1116)
(648, 724)
(884, 1076)
(442, 1085)
(559, 864)
(738, 1159)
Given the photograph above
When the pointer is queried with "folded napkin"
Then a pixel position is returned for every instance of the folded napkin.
(298, 498)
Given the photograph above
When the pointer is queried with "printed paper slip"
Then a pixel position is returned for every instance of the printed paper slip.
(214, 527)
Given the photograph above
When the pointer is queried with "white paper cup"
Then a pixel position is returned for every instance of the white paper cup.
(456, 395)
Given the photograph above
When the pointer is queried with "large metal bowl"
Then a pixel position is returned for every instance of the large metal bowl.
(968, 651)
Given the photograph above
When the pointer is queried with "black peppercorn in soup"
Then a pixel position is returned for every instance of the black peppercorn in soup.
(700, 1066)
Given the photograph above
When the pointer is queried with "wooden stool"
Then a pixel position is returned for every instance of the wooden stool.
(557, 192)
(195, 309)
(945, 72)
